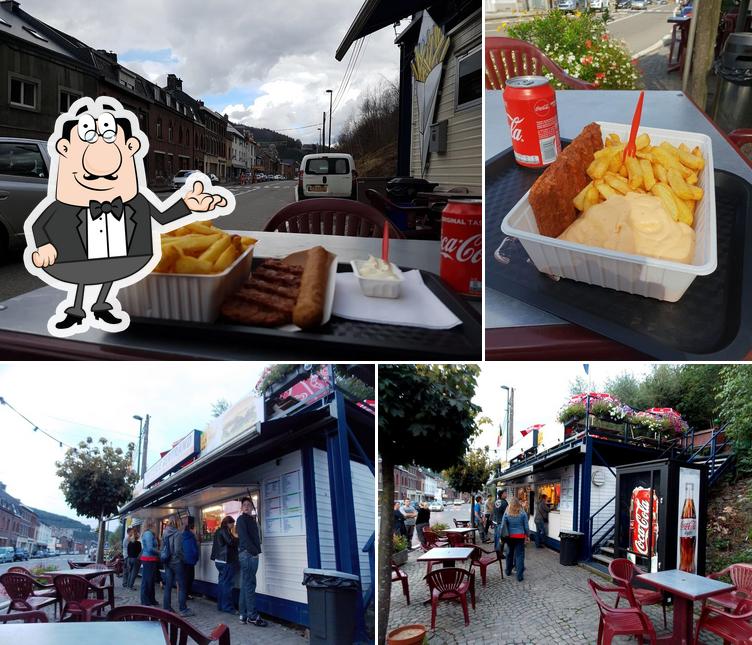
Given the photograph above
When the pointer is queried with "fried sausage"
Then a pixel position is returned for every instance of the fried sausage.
(309, 309)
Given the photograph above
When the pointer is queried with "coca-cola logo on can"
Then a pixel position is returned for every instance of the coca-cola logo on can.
(515, 128)
(541, 108)
(467, 250)
(642, 520)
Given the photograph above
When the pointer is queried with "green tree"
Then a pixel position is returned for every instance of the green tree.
(624, 387)
(700, 386)
(578, 385)
(97, 480)
(426, 417)
(471, 473)
(220, 407)
(735, 409)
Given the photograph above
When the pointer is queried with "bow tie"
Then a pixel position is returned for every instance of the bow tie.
(115, 207)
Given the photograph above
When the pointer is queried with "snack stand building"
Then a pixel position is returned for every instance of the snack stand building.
(309, 471)
(576, 467)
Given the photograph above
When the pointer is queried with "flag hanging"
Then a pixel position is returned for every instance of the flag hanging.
(586, 366)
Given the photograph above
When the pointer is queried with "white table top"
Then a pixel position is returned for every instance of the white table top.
(686, 585)
(446, 553)
(29, 312)
(94, 633)
(461, 530)
(662, 109)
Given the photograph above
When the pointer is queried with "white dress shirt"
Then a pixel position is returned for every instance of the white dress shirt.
(105, 236)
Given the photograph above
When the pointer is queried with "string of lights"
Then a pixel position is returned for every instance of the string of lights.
(34, 425)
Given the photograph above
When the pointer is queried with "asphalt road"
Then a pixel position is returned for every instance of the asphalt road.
(447, 516)
(255, 205)
(60, 562)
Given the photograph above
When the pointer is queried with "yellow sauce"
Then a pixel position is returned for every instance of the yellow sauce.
(634, 223)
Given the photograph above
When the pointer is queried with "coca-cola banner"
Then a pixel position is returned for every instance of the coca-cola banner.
(689, 496)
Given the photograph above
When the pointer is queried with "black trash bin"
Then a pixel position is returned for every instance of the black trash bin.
(570, 547)
(732, 106)
(332, 604)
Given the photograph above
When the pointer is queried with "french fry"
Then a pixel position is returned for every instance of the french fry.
(247, 241)
(660, 172)
(681, 188)
(623, 171)
(663, 192)
(579, 198)
(195, 243)
(211, 254)
(696, 151)
(692, 179)
(685, 214)
(605, 190)
(668, 160)
(642, 141)
(598, 167)
(169, 256)
(203, 229)
(648, 178)
(615, 163)
(635, 172)
(645, 153)
(591, 196)
(616, 182)
(187, 264)
(613, 139)
(226, 259)
(684, 146)
(691, 161)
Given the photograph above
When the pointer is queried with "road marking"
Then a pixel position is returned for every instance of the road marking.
(655, 46)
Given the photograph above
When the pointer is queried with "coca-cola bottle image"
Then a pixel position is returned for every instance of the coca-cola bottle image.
(688, 531)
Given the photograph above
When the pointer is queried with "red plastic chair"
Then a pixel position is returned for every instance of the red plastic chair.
(482, 559)
(630, 621)
(103, 583)
(456, 539)
(509, 57)
(433, 541)
(329, 216)
(734, 629)
(25, 616)
(74, 594)
(623, 571)
(176, 629)
(461, 524)
(742, 137)
(44, 589)
(741, 578)
(451, 583)
(398, 575)
(20, 589)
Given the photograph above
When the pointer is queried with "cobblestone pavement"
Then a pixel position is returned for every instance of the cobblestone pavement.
(551, 605)
(207, 618)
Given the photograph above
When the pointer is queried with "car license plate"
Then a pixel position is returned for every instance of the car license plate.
(317, 188)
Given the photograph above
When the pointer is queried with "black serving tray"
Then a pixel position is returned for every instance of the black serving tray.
(713, 320)
(347, 339)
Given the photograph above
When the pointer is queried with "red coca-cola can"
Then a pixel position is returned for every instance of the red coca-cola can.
(642, 520)
(461, 263)
(530, 103)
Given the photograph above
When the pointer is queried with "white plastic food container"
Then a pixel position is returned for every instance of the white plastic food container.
(378, 287)
(187, 297)
(644, 276)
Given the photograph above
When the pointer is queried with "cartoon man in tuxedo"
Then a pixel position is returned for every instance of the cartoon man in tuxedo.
(99, 225)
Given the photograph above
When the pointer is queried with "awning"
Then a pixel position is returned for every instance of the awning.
(377, 14)
(515, 473)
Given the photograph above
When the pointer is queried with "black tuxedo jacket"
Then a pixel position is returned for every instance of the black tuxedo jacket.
(65, 227)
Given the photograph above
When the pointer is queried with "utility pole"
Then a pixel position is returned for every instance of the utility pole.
(331, 93)
(146, 445)
(140, 434)
(323, 132)
(318, 143)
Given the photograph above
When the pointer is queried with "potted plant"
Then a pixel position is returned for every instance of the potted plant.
(399, 549)
(439, 528)
(407, 635)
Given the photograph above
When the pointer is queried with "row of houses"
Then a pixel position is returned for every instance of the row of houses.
(20, 527)
(46, 70)
(419, 485)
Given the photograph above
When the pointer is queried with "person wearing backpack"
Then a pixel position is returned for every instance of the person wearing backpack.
(190, 555)
(172, 559)
(225, 556)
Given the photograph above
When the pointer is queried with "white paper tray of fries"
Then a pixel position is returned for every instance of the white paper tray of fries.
(638, 274)
(191, 297)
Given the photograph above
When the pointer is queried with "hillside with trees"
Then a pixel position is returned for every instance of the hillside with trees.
(81, 532)
(287, 147)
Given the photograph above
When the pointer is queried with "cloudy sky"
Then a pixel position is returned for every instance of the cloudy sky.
(265, 64)
(540, 390)
(74, 400)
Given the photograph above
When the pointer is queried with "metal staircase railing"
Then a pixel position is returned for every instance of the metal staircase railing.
(606, 530)
(719, 460)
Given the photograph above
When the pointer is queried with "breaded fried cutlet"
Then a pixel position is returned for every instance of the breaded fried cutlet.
(552, 194)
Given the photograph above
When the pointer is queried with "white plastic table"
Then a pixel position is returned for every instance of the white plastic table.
(93, 633)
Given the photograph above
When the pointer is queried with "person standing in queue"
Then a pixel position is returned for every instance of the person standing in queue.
(500, 507)
(399, 520)
(172, 557)
(126, 540)
(249, 544)
(517, 524)
(225, 556)
(541, 520)
(190, 554)
(149, 564)
(410, 515)
(133, 552)
(478, 520)
(487, 515)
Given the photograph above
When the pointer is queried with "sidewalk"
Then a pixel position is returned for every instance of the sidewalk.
(552, 604)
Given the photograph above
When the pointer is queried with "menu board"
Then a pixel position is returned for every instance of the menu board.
(283, 505)
(567, 490)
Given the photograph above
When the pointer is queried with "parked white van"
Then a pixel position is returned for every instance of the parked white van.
(330, 174)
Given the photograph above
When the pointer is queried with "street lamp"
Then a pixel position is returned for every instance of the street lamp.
(140, 433)
(510, 394)
(318, 143)
(330, 93)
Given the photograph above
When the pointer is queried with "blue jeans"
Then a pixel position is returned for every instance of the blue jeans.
(174, 575)
(133, 566)
(248, 567)
(224, 585)
(540, 533)
(148, 573)
(516, 552)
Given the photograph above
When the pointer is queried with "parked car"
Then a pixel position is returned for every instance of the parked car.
(598, 5)
(436, 506)
(6, 554)
(639, 4)
(178, 181)
(24, 170)
(20, 554)
(573, 5)
(327, 175)
(623, 4)
(458, 502)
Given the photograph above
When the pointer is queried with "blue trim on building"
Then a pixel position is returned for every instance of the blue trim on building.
(587, 471)
(576, 509)
(311, 510)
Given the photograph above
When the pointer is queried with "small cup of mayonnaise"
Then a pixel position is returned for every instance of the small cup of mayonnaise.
(378, 279)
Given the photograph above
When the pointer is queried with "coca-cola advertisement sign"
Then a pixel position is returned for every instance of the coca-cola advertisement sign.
(689, 503)
(643, 521)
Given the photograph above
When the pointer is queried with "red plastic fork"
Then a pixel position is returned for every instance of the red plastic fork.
(385, 243)
(631, 150)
